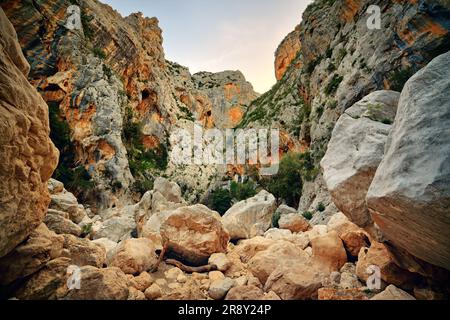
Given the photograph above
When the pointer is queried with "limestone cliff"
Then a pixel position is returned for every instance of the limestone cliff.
(28, 157)
(339, 60)
(114, 98)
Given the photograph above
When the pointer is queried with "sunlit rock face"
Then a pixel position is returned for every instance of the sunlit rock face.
(28, 157)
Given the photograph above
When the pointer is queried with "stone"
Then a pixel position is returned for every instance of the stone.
(354, 152)
(55, 186)
(173, 274)
(341, 294)
(294, 282)
(108, 245)
(67, 202)
(219, 288)
(194, 234)
(393, 293)
(284, 209)
(221, 261)
(378, 255)
(328, 250)
(98, 284)
(263, 263)
(354, 241)
(143, 281)
(316, 231)
(116, 228)
(43, 284)
(61, 225)
(242, 293)
(83, 252)
(29, 257)
(28, 155)
(215, 275)
(170, 190)
(412, 184)
(134, 256)
(294, 222)
(135, 295)
(251, 217)
(153, 292)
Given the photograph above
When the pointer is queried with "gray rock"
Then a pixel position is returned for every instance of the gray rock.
(410, 194)
(355, 150)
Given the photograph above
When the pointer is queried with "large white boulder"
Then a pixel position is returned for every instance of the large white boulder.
(251, 217)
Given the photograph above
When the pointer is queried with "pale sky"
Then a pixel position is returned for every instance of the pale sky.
(217, 35)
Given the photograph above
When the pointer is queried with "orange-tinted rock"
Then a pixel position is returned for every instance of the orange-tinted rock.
(28, 155)
(286, 52)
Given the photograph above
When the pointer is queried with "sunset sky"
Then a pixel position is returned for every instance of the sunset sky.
(213, 35)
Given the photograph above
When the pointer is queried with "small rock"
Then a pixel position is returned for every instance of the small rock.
(153, 292)
(221, 261)
(219, 288)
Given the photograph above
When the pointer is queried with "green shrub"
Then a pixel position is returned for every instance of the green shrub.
(307, 215)
(220, 200)
(99, 53)
(333, 85)
(74, 177)
(86, 230)
(321, 207)
(275, 218)
(242, 191)
(288, 182)
(399, 78)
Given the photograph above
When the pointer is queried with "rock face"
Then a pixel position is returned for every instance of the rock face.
(355, 150)
(112, 76)
(412, 184)
(194, 234)
(250, 217)
(28, 155)
(286, 52)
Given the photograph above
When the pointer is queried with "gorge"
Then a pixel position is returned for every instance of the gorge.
(88, 186)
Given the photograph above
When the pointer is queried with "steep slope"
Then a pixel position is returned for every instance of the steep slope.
(114, 99)
(338, 60)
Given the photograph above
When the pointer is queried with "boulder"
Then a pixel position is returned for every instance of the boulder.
(251, 217)
(43, 284)
(170, 190)
(134, 256)
(295, 282)
(281, 253)
(194, 234)
(58, 222)
(55, 186)
(153, 292)
(219, 288)
(221, 261)
(409, 197)
(354, 241)
(67, 202)
(393, 293)
(83, 252)
(328, 250)
(28, 156)
(41, 246)
(98, 284)
(355, 150)
(378, 255)
(116, 228)
(338, 294)
(293, 222)
(136, 295)
(108, 245)
(245, 292)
